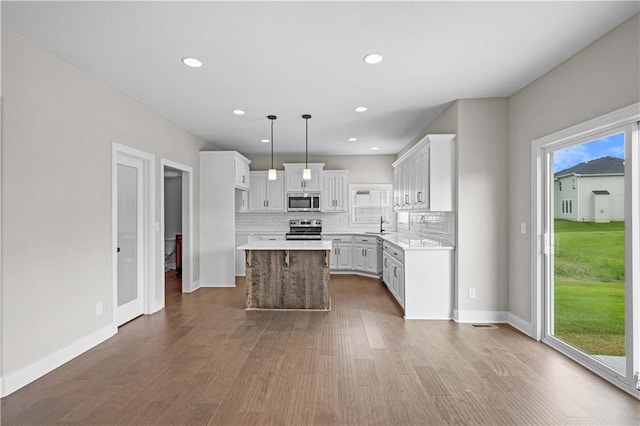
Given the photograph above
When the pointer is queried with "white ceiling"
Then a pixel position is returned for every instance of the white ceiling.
(292, 58)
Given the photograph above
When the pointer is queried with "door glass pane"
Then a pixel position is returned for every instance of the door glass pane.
(127, 233)
(587, 306)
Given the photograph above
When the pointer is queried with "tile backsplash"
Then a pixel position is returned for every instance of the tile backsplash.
(439, 226)
(279, 222)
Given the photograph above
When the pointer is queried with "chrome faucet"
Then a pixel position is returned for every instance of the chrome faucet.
(382, 221)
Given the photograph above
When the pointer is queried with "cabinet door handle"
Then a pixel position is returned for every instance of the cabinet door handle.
(267, 203)
(243, 179)
(406, 199)
(395, 272)
(419, 196)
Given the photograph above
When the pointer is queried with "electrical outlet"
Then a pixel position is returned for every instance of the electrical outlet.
(523, 228)
(472, 293)
(99, 309)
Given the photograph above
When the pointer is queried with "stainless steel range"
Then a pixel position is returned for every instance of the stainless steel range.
(304, 229)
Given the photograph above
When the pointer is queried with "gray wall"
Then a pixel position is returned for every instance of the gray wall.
(59, 124)
(601, 78)
(482, 204)
(481, 156)
(362, 168)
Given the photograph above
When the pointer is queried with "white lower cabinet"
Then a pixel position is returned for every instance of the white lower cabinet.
(366, 258)
(420, 280)
(341, 252)
(343, 259)
(365, 254)
(393, 271)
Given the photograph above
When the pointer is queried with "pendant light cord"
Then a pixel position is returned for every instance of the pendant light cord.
(306, 139)
(271, 117)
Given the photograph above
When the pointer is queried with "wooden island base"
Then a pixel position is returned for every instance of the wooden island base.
(288, 279)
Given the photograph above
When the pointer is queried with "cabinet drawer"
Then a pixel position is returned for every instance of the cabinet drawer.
(338, 238)
(393, 251)
(366, 240)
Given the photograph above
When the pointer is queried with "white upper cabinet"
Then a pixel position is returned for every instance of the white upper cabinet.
(241, 166)
(442, 173)
(242, 201)
(334, 190)
(424, 177)
(294, 181)
(266, 195)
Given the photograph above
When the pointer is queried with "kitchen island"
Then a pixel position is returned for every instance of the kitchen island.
(287, 274)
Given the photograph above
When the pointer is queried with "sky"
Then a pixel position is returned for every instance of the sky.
(610, 146)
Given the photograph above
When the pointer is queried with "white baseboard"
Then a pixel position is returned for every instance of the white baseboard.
(23, 377)
(194, 286)
(155, 308)
(519, 324)
(218, 285)
(241, 275)
(434, 318)
(479, 316)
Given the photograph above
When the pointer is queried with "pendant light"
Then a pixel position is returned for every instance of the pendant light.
(272, 174)
(306, 173)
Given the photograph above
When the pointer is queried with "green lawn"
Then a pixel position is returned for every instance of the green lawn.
(589, 286)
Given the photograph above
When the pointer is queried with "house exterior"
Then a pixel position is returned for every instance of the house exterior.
(592, 191)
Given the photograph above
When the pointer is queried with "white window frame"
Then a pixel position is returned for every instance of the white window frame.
(390, 218)
(542, 243)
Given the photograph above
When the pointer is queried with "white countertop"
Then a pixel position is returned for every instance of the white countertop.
(395, 238)
(286, 245)
(406, 243)
(402, 241)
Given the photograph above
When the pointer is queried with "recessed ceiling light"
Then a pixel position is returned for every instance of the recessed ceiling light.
(238, 112)
(352, 139)
(374, 148)
(373, 58)
(360, 109)
(265, 140)
(192, 62)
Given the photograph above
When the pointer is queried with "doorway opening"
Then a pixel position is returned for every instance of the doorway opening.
(176, 227)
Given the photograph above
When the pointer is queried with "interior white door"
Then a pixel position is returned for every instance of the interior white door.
(129, 288)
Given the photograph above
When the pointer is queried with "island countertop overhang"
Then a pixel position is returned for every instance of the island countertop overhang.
(286, 245)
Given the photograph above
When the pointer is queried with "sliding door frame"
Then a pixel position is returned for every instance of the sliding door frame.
(542, 244)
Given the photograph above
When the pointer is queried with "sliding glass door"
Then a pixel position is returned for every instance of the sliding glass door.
(588, 254)
(586, 220)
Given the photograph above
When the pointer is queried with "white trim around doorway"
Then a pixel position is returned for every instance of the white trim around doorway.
(188, 285)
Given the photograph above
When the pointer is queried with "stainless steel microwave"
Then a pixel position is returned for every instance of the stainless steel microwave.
(303, 202)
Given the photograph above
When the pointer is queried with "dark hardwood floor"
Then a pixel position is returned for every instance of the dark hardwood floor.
(204, 360)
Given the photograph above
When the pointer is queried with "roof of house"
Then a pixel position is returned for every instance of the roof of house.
(599, 166)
